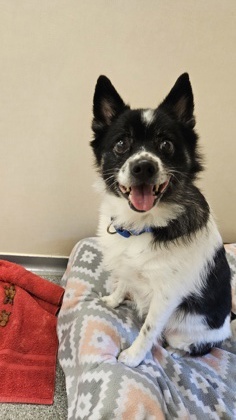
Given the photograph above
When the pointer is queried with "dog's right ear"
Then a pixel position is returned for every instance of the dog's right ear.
(107, 104)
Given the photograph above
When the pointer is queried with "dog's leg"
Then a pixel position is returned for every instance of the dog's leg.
(151, 330)
(117, 297)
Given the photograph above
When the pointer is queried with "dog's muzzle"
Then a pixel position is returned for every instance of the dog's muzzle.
(144, 190)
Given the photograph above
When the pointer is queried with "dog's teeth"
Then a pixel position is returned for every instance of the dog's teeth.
(124, 189)
(155, 189)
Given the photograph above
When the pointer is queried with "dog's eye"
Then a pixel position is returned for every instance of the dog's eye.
(167, 147)
(122, 146)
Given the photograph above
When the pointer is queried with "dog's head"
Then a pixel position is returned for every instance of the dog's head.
(145, 155)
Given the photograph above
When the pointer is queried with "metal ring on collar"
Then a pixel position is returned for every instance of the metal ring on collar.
(108, 230)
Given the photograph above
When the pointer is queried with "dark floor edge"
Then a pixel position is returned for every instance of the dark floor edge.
(54, 265)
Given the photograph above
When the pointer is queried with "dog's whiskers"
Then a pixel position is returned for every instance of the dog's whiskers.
(110, 171)
(175, 174)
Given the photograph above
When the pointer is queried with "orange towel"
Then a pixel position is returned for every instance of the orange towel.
(28, 338)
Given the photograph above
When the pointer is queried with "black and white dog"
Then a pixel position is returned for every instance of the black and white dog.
(157, 232)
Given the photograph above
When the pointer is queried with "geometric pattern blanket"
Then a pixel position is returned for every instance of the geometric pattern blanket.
(163, 386)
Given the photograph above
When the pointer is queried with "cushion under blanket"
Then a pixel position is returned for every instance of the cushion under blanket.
(163, 387)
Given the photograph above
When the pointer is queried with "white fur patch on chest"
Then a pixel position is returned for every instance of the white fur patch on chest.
(146, 269)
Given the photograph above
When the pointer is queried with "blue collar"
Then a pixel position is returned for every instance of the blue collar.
(127, 233)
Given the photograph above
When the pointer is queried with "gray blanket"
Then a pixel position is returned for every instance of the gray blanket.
(164, 386)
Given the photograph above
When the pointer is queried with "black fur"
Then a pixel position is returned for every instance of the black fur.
(202, 349)
(114, 121)
(173, 121)
(188, 223)
(214, 299)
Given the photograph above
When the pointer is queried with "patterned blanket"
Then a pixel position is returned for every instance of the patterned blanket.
(164, 386)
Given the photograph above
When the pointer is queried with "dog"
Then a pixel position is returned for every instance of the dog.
(157, 231)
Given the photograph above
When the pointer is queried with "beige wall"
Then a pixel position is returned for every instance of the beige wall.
(51, 53)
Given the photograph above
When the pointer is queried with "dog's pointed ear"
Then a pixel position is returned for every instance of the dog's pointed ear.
(107, 104)
(180, 101)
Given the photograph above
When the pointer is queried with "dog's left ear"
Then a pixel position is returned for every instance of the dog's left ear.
(107, 104)
(180, 101)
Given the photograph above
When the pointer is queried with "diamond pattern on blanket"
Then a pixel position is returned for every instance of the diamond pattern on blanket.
(77, 289)
(100, 341)
(91, 335)
(68, 350)
(92, 390)
(136, 401)
(89, 259)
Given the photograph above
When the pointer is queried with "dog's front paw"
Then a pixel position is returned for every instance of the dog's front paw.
(110, 301)
(130, 358)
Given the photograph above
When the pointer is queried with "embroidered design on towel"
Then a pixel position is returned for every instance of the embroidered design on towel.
(10, 292)
(4, 318)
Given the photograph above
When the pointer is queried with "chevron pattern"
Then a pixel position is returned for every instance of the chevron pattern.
(163, 387)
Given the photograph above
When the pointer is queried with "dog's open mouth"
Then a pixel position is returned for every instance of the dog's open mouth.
(143, 197)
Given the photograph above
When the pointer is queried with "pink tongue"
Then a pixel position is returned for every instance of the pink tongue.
(142, 197)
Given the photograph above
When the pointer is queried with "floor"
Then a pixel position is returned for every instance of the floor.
(57, 411)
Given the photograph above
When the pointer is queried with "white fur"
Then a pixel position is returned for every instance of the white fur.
(195, 328)
(147, 116)
(157, 278)
(123, 176)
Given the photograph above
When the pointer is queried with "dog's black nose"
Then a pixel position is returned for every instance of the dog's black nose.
(143, 170)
